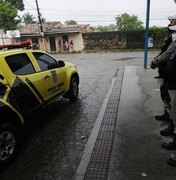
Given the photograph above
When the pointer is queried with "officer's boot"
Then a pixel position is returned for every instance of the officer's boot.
(163, 117)
(169, 131)
(170, 145)
(172, 161)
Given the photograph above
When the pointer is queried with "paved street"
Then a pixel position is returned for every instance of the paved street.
(55, 143)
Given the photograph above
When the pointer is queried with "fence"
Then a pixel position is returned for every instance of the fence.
(115, 40)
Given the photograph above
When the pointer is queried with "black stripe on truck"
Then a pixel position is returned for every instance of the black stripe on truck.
(24, 96)
(35, 89)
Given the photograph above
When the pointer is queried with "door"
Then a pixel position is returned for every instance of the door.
(52, 43)
(65, 42)
(25, 82)
(53, 76)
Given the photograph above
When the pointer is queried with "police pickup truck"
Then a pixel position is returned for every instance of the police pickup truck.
(29, 79)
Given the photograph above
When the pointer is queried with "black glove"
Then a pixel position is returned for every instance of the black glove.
(165, 45)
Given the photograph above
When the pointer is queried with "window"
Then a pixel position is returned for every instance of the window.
(20, 64)
(45, 62)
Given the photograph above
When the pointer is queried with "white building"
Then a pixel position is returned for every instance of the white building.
(9, 37)
(54, 36)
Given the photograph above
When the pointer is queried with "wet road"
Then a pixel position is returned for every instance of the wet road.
(54, 144)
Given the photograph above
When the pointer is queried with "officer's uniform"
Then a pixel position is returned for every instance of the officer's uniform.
(163, 59)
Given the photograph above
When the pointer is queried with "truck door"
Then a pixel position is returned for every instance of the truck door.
(53, 77)
(25, 83)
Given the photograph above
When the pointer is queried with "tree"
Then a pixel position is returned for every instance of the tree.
(9, 18)
(28, 18)
(108, 28)
(71, 22)
(103, 28)
(125, 22)
(112, 27)
(18, 4)
(159, 34)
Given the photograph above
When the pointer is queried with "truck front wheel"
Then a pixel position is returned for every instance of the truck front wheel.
(9, 144)
(73, 92)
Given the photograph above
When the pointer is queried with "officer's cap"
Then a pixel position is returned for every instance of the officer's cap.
(172, 17)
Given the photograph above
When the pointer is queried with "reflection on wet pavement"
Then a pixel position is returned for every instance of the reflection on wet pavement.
(53, 142)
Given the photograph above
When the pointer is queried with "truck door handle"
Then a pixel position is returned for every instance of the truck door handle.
(46, 77)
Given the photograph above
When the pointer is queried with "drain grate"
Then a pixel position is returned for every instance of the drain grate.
(105, 135)
(107, 127)
(99, 162)
(101, 144)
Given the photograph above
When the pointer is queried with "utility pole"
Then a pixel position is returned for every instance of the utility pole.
(146, 33)
(40, 24)
(39, 18)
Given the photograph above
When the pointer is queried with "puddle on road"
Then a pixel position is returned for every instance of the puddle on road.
(124, 59)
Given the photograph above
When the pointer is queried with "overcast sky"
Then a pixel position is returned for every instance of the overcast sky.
(101, 12)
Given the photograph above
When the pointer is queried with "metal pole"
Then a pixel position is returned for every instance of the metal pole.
(39, 18)
(40, 24)
(147, 33)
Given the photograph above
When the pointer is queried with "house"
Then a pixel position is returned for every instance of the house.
(9, 36)
(56, 36)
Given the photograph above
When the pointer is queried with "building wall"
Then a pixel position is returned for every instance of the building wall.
(113, 40)
(57, 38)
(77, 41)
(76, 37)
(47, 44)
(5, 40)
(96, 41)
(41, 45)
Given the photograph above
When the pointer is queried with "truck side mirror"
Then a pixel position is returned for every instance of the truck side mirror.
(61, 63)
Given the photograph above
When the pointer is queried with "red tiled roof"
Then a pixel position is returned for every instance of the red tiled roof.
(35, 28)
(51, 27)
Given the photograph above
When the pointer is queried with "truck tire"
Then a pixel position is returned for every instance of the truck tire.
(74, 90)
(9, 144)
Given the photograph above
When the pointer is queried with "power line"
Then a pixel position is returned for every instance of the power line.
(95, 16)
(30, 5)
(84, 17)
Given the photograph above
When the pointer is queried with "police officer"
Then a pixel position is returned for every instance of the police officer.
(169, 57)
(171, 85)
(163, 87)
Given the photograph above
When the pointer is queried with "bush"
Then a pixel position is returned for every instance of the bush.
(159, 35)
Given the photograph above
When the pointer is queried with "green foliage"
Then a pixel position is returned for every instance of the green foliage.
(159, 34)
(71, 22)
(18, 4)
(28, 18)
(111, 27)
(8, 16)
(103, 28)
(125, 22)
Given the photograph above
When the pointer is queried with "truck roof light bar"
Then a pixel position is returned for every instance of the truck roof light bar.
(24, 44)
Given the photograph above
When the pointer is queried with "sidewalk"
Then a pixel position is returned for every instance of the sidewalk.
(137, 152)
(125, 143)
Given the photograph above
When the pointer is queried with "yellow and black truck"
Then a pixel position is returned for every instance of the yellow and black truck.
(29, 79)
